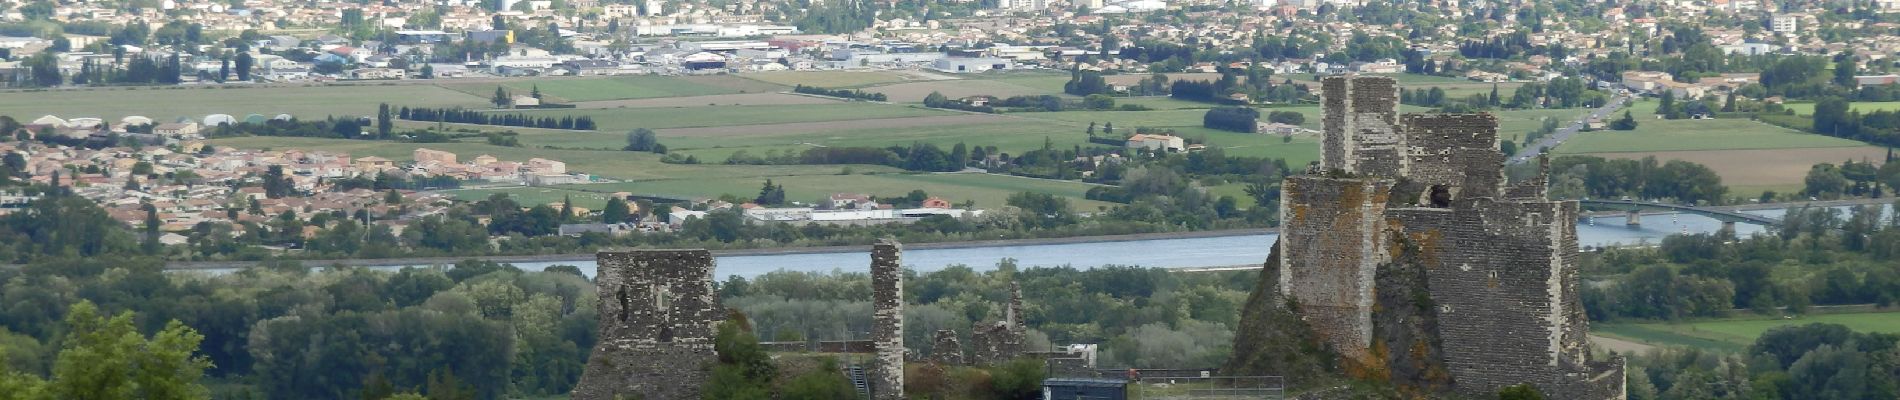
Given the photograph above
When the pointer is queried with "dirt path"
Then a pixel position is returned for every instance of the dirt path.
(1620, 346)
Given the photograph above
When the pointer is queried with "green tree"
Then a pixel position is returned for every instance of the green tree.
(1844, 71)
(643, 139)
(1626, 123)
(106, 358)
(501, 98)
(744, 370)
(384, 122)
(824, 383)
(1824, 180)
(243, 66)
(615, 212)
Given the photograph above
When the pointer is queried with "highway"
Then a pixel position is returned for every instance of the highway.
(1531, 151)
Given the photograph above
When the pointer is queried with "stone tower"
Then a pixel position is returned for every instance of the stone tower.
(887, 335)
(658, 316)
(1361, 126)
(1331, 242)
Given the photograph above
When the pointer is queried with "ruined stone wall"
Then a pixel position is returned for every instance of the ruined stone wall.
(1456, 151)
(1361, 126)
(887, 298)
(994, 343)
(1332, 241)
(945, 349)
(658, 314)
(1504, 277)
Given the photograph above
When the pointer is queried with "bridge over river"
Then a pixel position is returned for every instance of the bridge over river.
(1636, 208)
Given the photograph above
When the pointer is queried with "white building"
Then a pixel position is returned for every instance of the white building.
(1785, 23)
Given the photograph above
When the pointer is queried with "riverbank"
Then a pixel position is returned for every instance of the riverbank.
(589, 257)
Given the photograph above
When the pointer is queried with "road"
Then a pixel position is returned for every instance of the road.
(1544, 144)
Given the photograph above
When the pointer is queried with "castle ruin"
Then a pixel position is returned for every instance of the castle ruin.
(1426, 195)
(658, 316)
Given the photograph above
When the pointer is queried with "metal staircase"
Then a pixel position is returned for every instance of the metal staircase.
(856, 372)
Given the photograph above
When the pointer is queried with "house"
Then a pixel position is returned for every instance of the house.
(422, 155)
(176, 129)
(936, 202)
(373, 164)
(526, 102)
(850, 200)
(1876, 80)
(1157, 142)
(544, 166)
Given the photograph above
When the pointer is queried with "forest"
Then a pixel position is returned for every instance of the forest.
(481, 330)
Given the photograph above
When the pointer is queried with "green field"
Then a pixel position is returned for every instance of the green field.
(1738, 333)
(623, 120)
(1688, 134)
(1863, 107)
(988, 191)
(827, 79)
(618, 88)
(648, 176)
(314, 102)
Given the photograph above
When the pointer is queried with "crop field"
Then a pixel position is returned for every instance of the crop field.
(1863, 107)
(616, 88)
(1010, 135)
(166, 104)
(1738, 333)
(828, 79)
(914, 92)
(716, 100)
(1687, 135)
(650, 177)
(1517, 123)
(622, 120)
(988, 191)
(677, 139)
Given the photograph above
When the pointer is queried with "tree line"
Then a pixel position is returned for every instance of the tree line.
(840, 93)
(464, 116)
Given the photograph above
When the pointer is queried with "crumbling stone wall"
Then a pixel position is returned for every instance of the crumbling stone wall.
(1454, 154)
(658, 314)
(1272, 338)
(1504, 277)
(1361, 126)
(1331, 241)
(887, 297)
(945, 349)
(1000, 341)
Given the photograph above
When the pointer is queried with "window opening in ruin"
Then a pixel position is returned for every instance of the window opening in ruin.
(624, 302)
(1440, 196)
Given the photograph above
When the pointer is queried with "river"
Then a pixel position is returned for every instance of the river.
(1219, 251)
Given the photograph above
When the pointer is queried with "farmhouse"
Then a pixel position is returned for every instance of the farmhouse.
(1157, 142)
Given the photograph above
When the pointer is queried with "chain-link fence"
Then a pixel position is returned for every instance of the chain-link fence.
(1209, 387)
